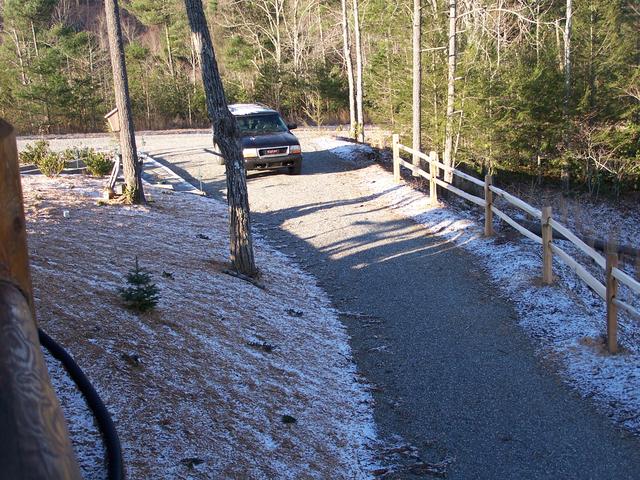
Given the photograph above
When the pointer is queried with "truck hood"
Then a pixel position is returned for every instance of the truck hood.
(269, 140)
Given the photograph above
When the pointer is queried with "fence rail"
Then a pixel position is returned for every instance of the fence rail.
(613, 275)
(34, 442)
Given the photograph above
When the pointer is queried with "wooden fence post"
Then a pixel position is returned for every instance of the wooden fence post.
(488, 212)
(433, 174)
(612, 308)
(14, 257)
(34, 441)
(547, 254)
(396, 157)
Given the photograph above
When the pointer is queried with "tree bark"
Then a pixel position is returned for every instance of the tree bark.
(567, 56)
(169, 51)
(23, 76)
(323, 47)
(227, 136)
(567, 89)
(417, 81)
(131, 166)
(359, 88)
(451, 91)
(346, 48)
(35, 40)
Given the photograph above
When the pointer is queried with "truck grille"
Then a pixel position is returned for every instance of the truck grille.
(273, 152)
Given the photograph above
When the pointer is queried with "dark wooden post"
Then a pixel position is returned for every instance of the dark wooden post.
(14, 260)
(433, 174)
(547, 253)
(34, 441)
(396, 157)
(488, 212)
(612, 293)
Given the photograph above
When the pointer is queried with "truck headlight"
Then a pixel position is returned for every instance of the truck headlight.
(295, 149)
(250, 152)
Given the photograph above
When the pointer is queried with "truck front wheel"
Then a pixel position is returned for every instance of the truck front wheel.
(296, 168)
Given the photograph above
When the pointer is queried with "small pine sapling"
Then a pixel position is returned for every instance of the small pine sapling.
(140, 294)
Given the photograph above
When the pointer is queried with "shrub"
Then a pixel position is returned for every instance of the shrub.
(140, 294)
(51, 164)
(34, 152)
(98, 164)
(70, 155)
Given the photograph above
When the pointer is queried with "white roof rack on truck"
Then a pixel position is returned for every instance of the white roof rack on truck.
(249, 108)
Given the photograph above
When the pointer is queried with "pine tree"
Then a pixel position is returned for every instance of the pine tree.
(141, 294)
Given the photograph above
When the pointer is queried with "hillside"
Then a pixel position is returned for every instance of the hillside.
(209, 383)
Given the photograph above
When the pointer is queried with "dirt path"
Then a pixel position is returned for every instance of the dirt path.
(452, 372)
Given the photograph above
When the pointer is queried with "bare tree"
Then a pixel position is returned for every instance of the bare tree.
(567, 85)
(567, 55)
(359, 88)
(131, 166)
(451, 90)
(417, 80)
(346, 49)
(262, 22)
(227, 136)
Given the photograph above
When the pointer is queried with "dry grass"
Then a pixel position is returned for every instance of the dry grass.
(192, 390)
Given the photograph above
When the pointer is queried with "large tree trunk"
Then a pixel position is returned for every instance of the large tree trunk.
(451, 91)
(227, 136)
(359, 89)
(346, 48)
(131, 166)
(417, 81)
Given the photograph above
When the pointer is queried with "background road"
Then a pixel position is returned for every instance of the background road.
(452, 373)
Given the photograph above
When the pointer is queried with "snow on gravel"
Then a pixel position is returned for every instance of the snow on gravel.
(566, 320)
(344, 149)
(199, 387)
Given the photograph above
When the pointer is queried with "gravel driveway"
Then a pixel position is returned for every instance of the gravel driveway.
(451, 372)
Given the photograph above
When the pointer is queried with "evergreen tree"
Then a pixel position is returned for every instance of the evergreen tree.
(140, 294)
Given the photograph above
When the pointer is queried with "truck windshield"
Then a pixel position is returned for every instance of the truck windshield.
(261, 124)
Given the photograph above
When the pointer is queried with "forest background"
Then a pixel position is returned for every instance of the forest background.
(514, 111)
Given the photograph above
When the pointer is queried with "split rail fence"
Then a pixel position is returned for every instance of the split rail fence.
(609, 262)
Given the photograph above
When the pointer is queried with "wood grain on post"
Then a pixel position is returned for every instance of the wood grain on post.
(612, 308)
(547, 254)
(433, 174)
(488, 209)
(35, 442)
(14, 257)
(396, 157)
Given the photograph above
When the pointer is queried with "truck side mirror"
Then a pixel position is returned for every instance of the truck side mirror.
(292, 126)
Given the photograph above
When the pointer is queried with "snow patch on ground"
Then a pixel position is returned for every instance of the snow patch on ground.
(344, 149)
(87, 440)
(197, 388)
(566, 320)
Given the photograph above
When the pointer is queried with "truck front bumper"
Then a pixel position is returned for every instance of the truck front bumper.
(267, 163)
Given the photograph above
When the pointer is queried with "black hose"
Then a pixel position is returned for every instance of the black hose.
(115, 464)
